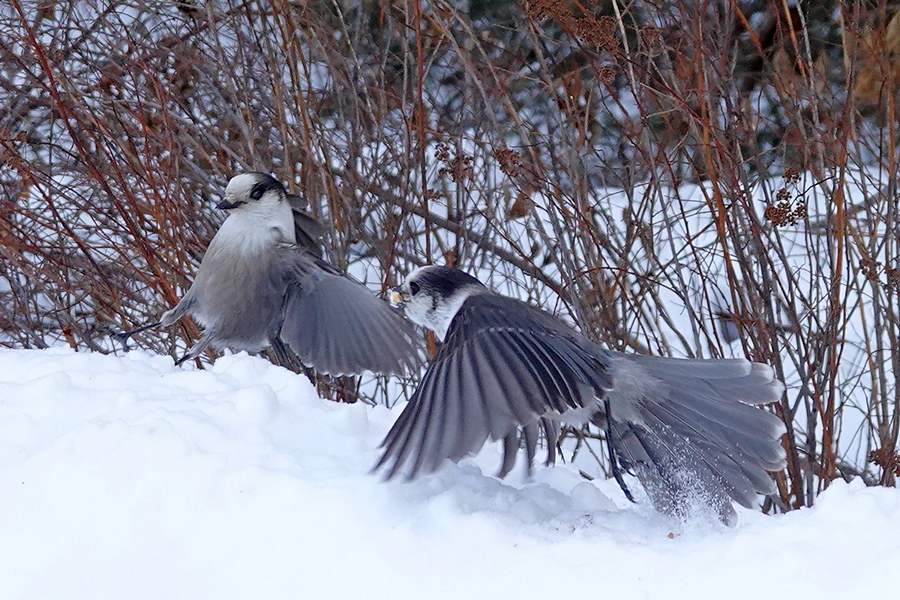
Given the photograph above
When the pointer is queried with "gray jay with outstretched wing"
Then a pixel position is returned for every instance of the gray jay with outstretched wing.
(263, 282)
(689, 430)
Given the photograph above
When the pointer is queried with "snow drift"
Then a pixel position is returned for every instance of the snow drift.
(126, 477)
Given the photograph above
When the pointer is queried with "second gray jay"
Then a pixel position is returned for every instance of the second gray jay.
(263, 282)
(687, 429)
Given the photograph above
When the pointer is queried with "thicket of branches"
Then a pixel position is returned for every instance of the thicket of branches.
(675, 177)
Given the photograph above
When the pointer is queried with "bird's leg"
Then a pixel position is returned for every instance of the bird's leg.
(168, 318)
(123, 336)
(531, 432)
(551, 434)
(280, 354)
(510, 449)
(613, 457)
(195, 350)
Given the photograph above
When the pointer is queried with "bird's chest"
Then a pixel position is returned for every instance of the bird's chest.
(236, 283)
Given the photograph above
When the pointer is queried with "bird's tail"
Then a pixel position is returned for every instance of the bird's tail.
(691, 430)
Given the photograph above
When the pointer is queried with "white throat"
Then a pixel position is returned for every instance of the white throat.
(252, 229)
(422, 310)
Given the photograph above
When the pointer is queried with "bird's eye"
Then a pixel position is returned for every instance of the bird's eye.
(413, 288)
(257, 193)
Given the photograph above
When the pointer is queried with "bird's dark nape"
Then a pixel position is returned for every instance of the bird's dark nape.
(265, 183)
(443, 281)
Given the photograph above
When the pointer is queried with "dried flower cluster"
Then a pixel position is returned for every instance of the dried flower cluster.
(458, 166)
(594, 31)
(786, 212)
(886, 458)
(510, 161)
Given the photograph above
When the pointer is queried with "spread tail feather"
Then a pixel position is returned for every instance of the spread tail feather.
(689, 430)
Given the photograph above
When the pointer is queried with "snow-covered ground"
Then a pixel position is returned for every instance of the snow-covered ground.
(126, 477)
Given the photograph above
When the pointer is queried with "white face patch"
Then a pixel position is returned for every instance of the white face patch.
(260, 219)
(437, 313)
(429, 309)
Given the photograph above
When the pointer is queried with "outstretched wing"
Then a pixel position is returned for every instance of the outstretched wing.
(339, 327)
(504, 365)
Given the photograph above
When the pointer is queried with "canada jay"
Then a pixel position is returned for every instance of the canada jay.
(689, 430)
(263, 282)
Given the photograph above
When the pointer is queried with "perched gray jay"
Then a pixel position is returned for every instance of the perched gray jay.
(263, 282)
(687, 429)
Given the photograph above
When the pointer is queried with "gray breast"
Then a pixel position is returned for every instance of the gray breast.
(238, 299)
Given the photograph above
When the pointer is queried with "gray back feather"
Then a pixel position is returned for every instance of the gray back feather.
(309, 232)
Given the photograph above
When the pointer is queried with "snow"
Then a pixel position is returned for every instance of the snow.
(126, 477)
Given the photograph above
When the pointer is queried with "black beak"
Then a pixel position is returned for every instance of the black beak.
(226, 205)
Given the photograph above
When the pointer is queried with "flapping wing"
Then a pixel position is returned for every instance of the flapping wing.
(503, 366)
(339, 327)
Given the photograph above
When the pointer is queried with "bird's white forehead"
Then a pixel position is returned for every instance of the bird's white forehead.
(240, 185)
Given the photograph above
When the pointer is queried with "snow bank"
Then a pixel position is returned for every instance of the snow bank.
(125, 477)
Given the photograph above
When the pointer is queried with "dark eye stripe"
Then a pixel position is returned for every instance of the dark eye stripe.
(264, 184)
